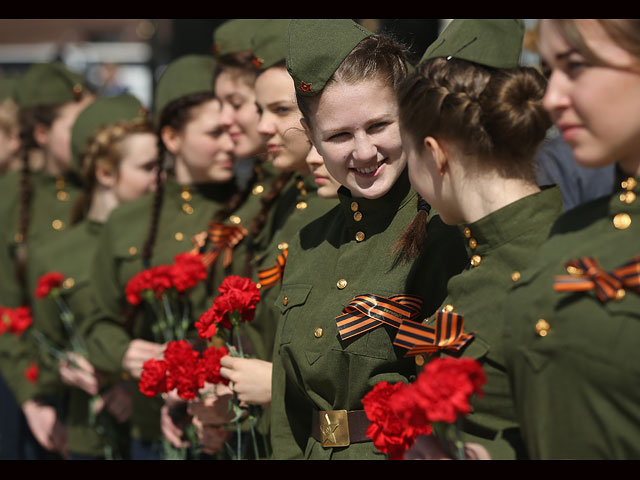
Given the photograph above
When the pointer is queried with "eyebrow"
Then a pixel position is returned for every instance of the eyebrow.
(385, 117)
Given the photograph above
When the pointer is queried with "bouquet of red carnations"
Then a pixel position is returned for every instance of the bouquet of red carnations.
(435, 403)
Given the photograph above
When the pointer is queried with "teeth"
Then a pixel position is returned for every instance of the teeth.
(367, 170)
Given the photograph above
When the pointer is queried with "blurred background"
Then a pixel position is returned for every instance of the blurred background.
(118, 55)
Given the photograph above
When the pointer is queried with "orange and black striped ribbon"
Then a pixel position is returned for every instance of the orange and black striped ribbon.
(446, 334)
(268, 277)
(223, 238)
(368, 311)
(591, 277)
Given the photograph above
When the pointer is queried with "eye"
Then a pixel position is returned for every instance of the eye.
(545, 70)
(378, 126)
(338, 136)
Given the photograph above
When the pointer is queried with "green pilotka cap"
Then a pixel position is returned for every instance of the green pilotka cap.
(102, 112)
(269, 45)
(7, 87)
(49, 84)
(186, 75)
(490, 42)
(235, 35)
(317, 47)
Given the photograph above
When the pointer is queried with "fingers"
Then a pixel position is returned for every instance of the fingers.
(169, 429)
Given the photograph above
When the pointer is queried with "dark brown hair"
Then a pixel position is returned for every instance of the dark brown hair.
(239, 63)
(104, 148)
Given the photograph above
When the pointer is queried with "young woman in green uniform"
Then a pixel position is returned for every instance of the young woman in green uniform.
(201, 181)
(36, 205)
(321, 371)
(471, 121)
(115, 147)
(573, 317)
(297, 206)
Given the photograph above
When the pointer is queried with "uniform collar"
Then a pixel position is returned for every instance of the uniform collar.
(365, 217)
(625, 201)
(217, 192)
(511, 221)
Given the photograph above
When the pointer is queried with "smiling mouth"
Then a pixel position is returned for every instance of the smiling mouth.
(370, 171)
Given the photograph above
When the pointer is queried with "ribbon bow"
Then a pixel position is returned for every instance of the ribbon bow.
(223, 239)
(446, 334)
(269, 276)
(588, 275)
(368, 311)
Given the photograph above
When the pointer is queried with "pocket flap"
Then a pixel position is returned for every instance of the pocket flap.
(292, 296)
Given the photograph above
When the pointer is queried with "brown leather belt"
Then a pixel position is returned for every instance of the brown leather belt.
(339, 428)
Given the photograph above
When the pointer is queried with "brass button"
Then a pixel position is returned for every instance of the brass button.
(419, 360)
(354, 206)
(77, 89)
(303, 191)
(447, 308)
(258, 285)
(57, 224)
(515, 276)
(283, 246)
(317, 332)
(475, 260)
(473, 243)
(629, 184)
(622, 221)
(301, 205)
(620, 293)
(179, 236)
(235, 219)
(62, 196)
(186, 195)
(357, 216)
(18, 237)
(60, 183)
(186, 208)
(257, 190)
(132, 250)
(300, 184)
(341, 283)
(542, 327)
(360, 236)
(627, 197)
(68, 283)
(574, 270)
(467, 232)
(285, 301)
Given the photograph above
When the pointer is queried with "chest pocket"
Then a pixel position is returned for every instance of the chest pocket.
(291, 296)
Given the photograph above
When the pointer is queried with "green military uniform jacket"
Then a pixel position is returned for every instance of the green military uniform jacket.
(499, 246)
(345, 253)
(50, 211)
(573, 360)
(71, 254)
(186, 211)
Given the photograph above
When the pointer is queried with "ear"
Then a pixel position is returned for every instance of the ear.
(438, 150)
(171, 138)
(107, 177)
(41, 134)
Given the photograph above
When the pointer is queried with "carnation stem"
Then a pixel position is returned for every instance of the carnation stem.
(171, 321)
(459, 442)
(68, 320)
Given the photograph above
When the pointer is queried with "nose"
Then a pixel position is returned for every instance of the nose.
(313, 159)
(556, 96)
(226, 115)
(226, 143)
(266, 125)
(363, 149)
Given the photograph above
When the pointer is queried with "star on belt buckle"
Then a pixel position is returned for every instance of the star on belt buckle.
(334, 428)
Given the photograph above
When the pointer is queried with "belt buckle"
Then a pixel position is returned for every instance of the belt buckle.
(334, 428)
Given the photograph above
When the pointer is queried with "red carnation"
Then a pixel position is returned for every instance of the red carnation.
(187, 270)
(184, 371)
(136, 285)
(153, 379)
(210, 362)
(390, 434)
(47, 282)
(443, 389)
(32, 372)
(239, 294)
(15, 320)
(160, 279)
(207, 325)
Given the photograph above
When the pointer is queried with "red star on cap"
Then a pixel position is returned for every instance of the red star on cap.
(305, 87)
(257, 62)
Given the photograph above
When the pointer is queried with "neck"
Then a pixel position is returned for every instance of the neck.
(103, 201)
(484, 195)
(188, 176)
(631, 166)
(52, 168)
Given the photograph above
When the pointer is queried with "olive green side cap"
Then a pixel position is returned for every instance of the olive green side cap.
(235, 35)
(269, 43)
(186, 75)
(490, 42)
(48, 84)
(103, 111)
(7, 87)
(317, 47)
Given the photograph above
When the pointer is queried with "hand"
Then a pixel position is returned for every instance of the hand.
(82, 375)
(44, 425)
(211, 438)
(250, 377)
(118, 402)
(427, 447)
(140, 351)
(170, 430)
(212, 409)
